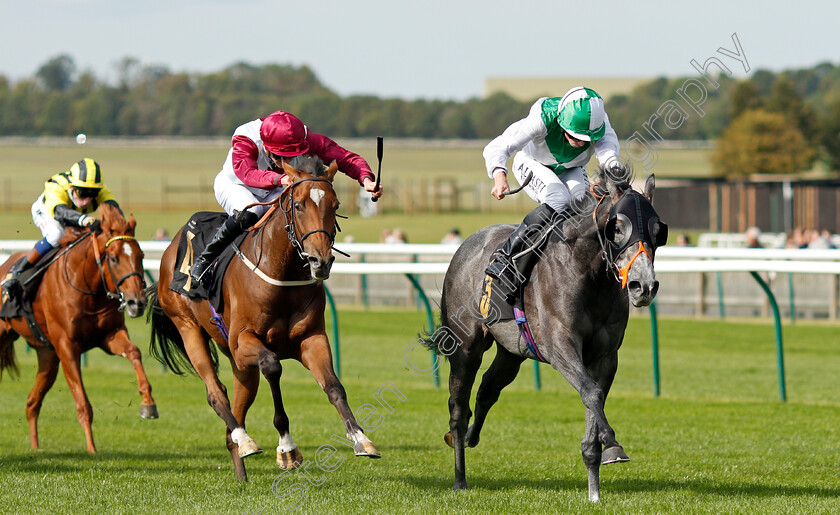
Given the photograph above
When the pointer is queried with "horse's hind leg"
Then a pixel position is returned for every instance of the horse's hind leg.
(44, 380)
(288, 454)
(245, 386)
(464, 364)
(316, 356)
(120, 344)
(501, 373)
(199, 353)
(71, 364)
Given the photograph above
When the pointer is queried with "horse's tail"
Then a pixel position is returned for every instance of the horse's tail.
(431, 340)
(8, 360)
(166, 344)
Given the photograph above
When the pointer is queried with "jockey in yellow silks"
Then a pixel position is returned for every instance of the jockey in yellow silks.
(69, 198)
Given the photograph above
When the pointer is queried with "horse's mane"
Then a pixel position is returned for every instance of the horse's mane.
(311, 165)
(112, 219)
(604, 178)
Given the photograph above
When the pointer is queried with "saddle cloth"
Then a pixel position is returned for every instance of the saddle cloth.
(493, 308)
(196, 234)
(30, 280)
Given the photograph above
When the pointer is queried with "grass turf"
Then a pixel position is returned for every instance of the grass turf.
(717, 440)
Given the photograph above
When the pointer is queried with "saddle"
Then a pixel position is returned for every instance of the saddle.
(20, 305)
(195, 236)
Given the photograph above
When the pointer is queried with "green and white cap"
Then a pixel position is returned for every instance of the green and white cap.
(582, 114)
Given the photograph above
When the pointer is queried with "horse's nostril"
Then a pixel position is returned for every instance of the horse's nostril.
(635, 286)
(654, 288)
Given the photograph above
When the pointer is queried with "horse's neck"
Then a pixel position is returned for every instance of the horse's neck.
(78, 265)
(581, 251)
(273, 252)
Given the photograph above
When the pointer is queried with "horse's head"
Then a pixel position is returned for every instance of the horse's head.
(310, 209)
(633, 232)
(122, 260)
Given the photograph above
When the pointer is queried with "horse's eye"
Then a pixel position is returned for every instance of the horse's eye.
(113, 259)
(298, 206)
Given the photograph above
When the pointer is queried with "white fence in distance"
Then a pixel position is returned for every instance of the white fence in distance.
(686, 274)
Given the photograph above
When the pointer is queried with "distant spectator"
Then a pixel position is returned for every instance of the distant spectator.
(683, 241)
(161, 235)
(385, 237)
(453, 237)
(820, 240)
(752, 235)
(795, 239)
(398, 237)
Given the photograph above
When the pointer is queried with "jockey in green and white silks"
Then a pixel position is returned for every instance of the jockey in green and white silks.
(554, 143)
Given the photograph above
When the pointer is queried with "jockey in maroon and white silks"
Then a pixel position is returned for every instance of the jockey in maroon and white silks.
(249, 175)
(253, 172)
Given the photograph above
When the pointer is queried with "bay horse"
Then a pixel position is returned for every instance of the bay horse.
(79, 306)
(273, 309)
(577, 304)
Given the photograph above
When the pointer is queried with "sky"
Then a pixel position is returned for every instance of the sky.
(430, 49)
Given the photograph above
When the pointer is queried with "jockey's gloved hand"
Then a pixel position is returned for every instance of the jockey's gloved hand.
(618, 171)
(95, 226)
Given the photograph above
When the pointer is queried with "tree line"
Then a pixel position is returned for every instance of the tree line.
(151, 100)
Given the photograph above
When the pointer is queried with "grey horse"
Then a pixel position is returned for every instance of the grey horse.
(577, 302)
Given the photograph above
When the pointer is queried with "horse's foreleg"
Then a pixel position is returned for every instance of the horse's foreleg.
(593, 456)
(501, 373)
(463, 368)
(47, 372)
(120, 344)
(199, 354)
(591, 393)
(70, 361)
(316, 356)
(288, 454)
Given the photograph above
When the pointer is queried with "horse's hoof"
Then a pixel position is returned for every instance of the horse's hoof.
(148, 411)
(614, 454)
(366, 449)
(472, 439)
(290, 459)
(249, 448)
(448, 439)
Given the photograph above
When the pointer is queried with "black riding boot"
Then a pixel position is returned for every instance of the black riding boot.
(513, 261)
(235, 225)
(11, 284)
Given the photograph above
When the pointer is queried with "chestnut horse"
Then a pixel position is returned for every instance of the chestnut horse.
(79, 305)
(273, 309)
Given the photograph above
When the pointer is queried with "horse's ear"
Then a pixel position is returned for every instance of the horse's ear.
(132, 223)
(331, 171)
(650, 184)
(291, 171)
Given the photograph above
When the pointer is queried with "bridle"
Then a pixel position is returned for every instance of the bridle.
(114, 294)
(289, 213)
(611, 250)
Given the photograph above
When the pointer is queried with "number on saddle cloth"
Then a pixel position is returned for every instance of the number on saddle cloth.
(195, 235)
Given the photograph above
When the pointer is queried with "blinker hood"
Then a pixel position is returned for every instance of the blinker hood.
(641, 223)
